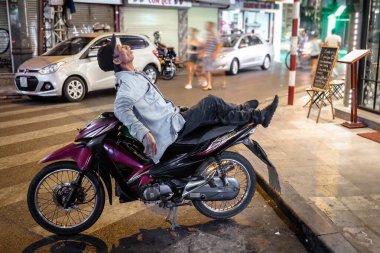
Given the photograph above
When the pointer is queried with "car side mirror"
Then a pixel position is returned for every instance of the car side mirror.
(243, 45)
(93, 52)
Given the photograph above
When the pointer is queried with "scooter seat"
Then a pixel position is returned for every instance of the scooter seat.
(204, 133)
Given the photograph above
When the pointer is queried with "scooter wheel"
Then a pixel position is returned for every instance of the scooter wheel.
(49, 191)
(239, 168)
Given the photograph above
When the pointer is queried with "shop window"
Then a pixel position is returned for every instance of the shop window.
(370, 95)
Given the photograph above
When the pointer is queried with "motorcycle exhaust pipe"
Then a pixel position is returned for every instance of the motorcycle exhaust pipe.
(215, 190)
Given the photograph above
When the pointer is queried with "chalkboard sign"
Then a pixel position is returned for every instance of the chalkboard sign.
(326, 63)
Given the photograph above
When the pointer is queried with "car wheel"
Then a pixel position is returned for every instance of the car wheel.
(234, 68)
(151, 72)
(266, 64)
(74, 89)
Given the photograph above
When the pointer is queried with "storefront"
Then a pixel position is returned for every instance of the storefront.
(171, 18)
(264, 18)
(369, 86)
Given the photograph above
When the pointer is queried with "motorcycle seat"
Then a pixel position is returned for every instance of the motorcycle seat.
(204, 133)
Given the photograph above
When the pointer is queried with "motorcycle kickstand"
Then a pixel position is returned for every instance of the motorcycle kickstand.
(174, 224)
(174, 210)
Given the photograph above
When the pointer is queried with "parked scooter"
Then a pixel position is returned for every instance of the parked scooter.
(67, 197)
(167, 57)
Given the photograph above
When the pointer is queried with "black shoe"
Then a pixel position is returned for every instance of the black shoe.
(267, 112)
(251, 104)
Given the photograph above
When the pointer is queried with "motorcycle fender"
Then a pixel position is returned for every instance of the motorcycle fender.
(256, 149)
(77, 152)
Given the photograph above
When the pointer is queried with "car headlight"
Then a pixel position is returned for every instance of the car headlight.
(222, 56)
(50, 68)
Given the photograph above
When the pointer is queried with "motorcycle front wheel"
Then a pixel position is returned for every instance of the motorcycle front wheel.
(49, 191)
(236, 166)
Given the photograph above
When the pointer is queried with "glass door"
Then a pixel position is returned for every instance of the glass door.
(370, 94)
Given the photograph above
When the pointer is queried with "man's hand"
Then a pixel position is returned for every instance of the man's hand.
(150, 145)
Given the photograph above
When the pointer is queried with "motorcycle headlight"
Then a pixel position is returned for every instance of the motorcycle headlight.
(50, 68)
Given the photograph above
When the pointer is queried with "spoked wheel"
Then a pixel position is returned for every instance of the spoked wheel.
(233, 165)
(49, 193)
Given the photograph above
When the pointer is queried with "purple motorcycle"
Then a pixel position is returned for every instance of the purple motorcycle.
(67, 196)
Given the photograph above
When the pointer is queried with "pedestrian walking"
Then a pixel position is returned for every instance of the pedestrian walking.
(212, 47)
(193, 45)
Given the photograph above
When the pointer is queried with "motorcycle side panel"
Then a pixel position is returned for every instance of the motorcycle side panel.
(119, 156)
(77, 152)
(182, 166)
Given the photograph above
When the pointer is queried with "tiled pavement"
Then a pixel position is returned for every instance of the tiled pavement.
(331, 169)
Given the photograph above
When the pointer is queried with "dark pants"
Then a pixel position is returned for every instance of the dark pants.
(213, 110)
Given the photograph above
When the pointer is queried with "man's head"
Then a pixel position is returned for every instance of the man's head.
(123, 55)
(113, 55)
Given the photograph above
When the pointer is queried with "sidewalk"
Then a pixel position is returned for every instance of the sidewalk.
(329, 175)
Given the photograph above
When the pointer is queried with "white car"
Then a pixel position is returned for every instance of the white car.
(71, 69)
(243, 51)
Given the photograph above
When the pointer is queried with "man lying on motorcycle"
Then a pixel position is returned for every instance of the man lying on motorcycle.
(157, 122)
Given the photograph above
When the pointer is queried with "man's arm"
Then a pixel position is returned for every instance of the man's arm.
(124, 112)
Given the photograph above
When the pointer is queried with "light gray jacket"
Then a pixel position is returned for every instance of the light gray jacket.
(140, 106)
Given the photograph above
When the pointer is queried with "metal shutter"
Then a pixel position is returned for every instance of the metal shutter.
(148, 20)
(5, 57)
(87, 15)
(31, 12)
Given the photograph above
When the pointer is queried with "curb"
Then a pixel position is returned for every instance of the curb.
(313, 228)
(316, 233)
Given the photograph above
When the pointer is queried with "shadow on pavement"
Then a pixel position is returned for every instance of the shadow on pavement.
(77, 243)
(146, 240)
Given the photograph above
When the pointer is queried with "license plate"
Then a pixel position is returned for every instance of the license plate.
(24, 82)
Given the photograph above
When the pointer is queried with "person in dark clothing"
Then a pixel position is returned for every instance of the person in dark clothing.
(157, 122)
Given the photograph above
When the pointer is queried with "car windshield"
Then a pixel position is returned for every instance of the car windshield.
(229, 41)
(69, 47)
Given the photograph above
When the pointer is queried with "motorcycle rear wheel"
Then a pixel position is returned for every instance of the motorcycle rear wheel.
(168, 76)
(243, 171)
(51, 186)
